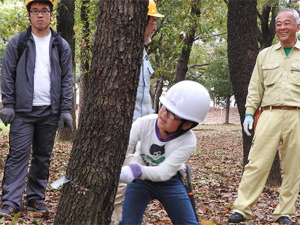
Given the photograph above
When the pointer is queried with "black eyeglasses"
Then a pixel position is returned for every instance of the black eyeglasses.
(169, 113)
(36, 12)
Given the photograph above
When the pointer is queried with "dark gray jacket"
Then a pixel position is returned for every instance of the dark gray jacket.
(17, 75)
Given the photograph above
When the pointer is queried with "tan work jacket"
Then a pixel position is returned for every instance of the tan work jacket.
(275, 79)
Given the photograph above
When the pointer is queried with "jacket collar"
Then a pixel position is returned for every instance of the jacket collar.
(54, 34)
(278, 45)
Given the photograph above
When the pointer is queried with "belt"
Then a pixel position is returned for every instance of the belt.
(280, 107)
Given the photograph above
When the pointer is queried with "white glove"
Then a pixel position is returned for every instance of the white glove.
(130, 173)
(248, 122)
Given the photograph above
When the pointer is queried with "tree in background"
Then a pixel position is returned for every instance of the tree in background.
(187, 24)
(242, 52)
(11, 13)
(190, 33)
(216, 77)
(86, 13)
(65, 25)
(102, 138)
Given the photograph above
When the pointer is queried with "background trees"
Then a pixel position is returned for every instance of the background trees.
(190, 43)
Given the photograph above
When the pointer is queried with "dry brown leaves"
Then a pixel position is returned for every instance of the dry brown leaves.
(216, 169)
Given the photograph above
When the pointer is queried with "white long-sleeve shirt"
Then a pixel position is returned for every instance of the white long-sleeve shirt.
(159, 159)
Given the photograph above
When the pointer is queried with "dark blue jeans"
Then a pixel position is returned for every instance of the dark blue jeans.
(172, 195)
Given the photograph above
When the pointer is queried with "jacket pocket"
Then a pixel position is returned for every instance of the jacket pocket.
(294, 76)
(271, 73)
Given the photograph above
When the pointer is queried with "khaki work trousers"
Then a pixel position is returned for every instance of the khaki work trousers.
(273, 126)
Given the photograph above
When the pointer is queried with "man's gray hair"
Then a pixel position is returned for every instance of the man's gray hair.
(293, 11)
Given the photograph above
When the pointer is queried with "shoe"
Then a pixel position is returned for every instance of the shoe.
(7, 210)
(284, 220)
(38, 207)
(236, 218)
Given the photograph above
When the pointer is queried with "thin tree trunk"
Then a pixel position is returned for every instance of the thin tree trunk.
(158, 92)
(227, 110)
(65, 24)
(182, 66)
(84, 53)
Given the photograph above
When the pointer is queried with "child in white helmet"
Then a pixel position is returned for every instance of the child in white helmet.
(166, 142)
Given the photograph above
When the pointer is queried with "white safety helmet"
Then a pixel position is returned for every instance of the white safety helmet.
(188, 100)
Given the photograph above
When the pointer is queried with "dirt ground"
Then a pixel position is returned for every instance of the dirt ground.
(217, 116)
(216, 171)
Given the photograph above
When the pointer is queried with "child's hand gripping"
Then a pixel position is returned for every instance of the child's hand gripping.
(130, 173)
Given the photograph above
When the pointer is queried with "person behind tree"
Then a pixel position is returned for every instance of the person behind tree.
(166, 142)
(143, 105)
(143, 99)
(274, 86)
(36, 93)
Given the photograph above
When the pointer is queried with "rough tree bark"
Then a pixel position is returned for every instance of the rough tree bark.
(102, 137)
(242, 53)
(65, 24)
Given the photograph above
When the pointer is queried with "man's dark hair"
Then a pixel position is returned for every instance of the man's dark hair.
(44, 2)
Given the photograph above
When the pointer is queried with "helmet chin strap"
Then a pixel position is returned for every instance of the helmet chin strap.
(179, 130)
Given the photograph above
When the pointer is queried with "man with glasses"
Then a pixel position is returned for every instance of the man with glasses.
(36, 93)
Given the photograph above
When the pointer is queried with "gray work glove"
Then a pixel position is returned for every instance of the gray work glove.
(66, 121)
(248, 122)
(7, 115)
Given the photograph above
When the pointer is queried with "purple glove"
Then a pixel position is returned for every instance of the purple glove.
(130, 173)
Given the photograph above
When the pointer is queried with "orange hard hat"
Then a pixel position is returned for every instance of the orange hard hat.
(38, 1)
(152, 10)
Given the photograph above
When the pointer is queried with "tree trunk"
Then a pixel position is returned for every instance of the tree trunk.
(158, 92)
(182, 66)
(267, 33)
(65, 24)
(227, 110)
(242, 53)
(266, 39)
(84, 52)
(105, 121)
(274, 178)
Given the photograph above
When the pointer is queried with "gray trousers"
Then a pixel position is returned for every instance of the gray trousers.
(36, 129)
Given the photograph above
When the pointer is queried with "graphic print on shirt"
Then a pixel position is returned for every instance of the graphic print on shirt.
(156, 155)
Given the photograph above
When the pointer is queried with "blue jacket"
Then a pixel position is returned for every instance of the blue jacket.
(143, 99)
(18, 76)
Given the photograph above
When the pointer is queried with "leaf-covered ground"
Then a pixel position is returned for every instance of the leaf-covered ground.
(216, 168)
